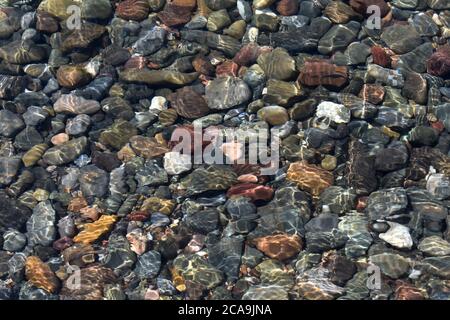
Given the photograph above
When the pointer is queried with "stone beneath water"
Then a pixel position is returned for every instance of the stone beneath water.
(93, 181)
(94, 279)
(385, 203)
(148, 264)
(76, 105)
(401, 38)
(278, 64)
(207, 179)
(10, 123)
(225, 255)
(266, 292)
(309, 177)
(41, 225)
(398, 236)
(434, 246)
(337, 113)
(157, 77)
(66, 152)
(40, 274)
(177, 163)
(93, 231)
(227, 92)
(280, 246)
(196, 269)
(391, 264)
(9, 167)
(338, 37)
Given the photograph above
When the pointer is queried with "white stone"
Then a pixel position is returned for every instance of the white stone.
(438, 185)
(176, 163)
(158, 104)
(337, 113)
(398, 236)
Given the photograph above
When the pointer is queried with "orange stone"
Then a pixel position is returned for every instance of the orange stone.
(93, 231)
(310, 178)
(40, 274)
(280, 246)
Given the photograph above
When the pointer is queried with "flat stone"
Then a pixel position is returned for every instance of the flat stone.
(398, 236)
(227, 92)
(434, 246)
(401, 38)
(66, 152)
(391, 264)
(309, 177)
(337, 113)
(10, 123)
(338, 37)
(41, 225)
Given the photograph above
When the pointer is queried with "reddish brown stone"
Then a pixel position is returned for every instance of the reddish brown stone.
(137, 62)
(287, 7)
(203, 65)
(45, 22)
(372, 93)
(227, 68)
(280, 246)
(138, 216)
(72, 76)
(438, 125)
(188, 103)
(133, 10)
(406, 291)
(177, 12)
(380, 56)
(310, 178)
(252, 191)
(322, 72)
(361, 204)
(249, 53)
(439, 62)
(361, 6)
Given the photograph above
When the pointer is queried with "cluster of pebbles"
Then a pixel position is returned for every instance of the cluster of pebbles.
(94, 204)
